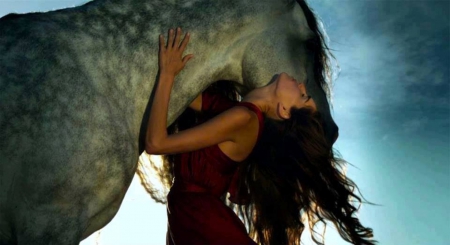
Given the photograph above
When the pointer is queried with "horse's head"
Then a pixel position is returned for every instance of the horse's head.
(292, 44)
(250, 42)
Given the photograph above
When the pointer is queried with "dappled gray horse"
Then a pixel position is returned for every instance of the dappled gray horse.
(76, 85)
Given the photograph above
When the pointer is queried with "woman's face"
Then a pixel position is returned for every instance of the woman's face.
(292, 93)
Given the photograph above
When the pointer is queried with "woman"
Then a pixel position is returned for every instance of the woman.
(269, 151)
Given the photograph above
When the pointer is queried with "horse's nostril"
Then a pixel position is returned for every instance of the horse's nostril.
(336, 135)
(335, 132)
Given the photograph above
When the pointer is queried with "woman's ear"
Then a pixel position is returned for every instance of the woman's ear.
(282, 111)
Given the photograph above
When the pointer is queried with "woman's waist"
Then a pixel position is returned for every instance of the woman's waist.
(188, 186)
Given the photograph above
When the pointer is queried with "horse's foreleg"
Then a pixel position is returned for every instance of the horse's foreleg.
(102, 218)
(49, 226)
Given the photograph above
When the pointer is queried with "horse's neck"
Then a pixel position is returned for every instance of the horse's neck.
(201, 15)
(128, 31)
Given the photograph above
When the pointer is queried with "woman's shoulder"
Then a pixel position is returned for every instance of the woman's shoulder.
(246, 111)
(245, 137)
(254, 110)
(242, 113)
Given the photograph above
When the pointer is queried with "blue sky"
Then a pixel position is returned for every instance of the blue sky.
(392, 105)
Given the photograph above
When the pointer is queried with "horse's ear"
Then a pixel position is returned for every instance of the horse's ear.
(289, 3)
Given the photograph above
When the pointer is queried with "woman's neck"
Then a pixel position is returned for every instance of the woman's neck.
(264, 98)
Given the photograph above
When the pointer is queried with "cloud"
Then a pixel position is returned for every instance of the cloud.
(394, 57)
(391, 53)
(414, 125)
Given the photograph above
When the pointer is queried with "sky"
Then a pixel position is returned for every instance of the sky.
(392, 105)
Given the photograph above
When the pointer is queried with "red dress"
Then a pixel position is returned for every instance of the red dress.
(196, 214)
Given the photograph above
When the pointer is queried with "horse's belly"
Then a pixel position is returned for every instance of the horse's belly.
(87, 170)
(5, 217)
(5, 233)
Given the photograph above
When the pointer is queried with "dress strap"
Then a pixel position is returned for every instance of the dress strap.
(258, 112)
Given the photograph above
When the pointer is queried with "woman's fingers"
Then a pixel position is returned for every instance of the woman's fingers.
(170, 42)
(187, 58)
(184, 42)
(170, 56)
(177, 38)
(161, 42)
(174, 39)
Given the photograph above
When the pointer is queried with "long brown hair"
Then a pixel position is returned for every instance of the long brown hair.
(293, 172)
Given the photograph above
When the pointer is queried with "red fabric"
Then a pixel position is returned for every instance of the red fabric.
(196, 214)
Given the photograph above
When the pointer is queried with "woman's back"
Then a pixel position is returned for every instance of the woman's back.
(202, 177)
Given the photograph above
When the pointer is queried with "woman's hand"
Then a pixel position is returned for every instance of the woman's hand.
(170, 61)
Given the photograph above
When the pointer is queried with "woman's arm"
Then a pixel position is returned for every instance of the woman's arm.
(170, 64)
(157, 122)
(223, 127)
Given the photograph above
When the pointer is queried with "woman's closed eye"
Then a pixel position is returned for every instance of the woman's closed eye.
(308, 97)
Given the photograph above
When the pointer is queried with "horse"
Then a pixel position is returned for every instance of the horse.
(76, 86)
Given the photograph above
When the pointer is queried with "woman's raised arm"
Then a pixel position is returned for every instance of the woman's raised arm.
(223, 127)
